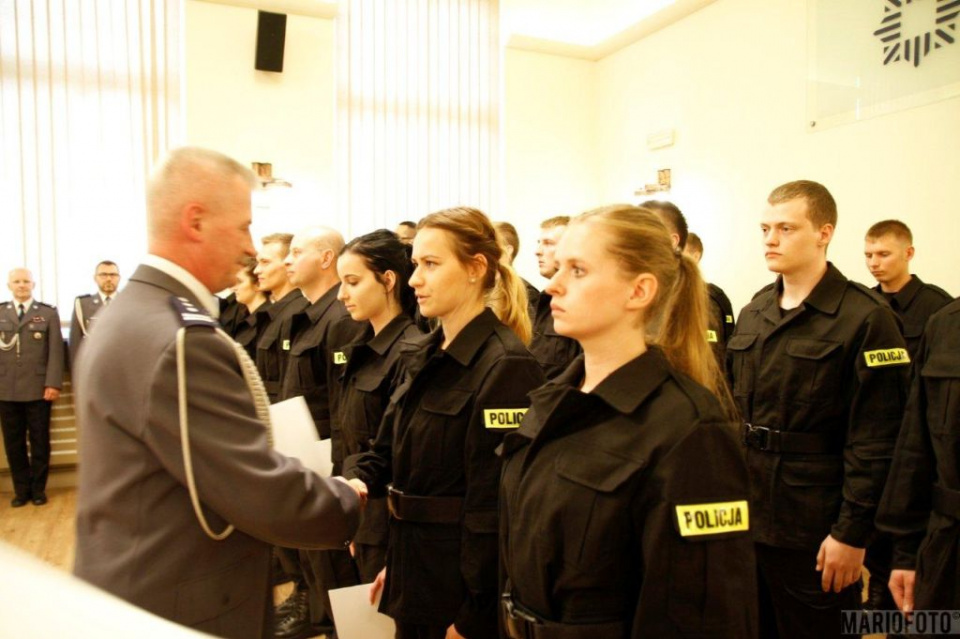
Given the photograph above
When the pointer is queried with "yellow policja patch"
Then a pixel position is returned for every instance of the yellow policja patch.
(712, 337)
(286, 345)
(887, 357)
(713, 519)
(339, 358)
(503, 417)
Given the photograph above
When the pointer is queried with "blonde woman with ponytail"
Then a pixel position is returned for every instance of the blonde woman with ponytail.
(462, 387)
(624, 493)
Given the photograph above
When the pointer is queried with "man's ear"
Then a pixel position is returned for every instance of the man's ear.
(825, 235)
(192, 220)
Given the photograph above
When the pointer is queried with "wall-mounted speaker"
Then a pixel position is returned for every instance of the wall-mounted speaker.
(271, 33)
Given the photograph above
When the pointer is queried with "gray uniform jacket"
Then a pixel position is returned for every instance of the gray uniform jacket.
(37, 361)
(137, 534)
(81, 324)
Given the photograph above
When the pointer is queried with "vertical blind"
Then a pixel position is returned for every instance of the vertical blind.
(89, 101)
(418, 108)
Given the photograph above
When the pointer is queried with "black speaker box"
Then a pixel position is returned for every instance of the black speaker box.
(271, 33)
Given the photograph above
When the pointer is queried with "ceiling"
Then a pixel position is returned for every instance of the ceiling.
(589, 29)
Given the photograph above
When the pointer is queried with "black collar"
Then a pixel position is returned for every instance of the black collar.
(385, 339)
(905, 295)
(316, 310)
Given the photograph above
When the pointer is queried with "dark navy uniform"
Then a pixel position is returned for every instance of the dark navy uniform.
(921, 502)
(624, 511)
(85, 309)
(319, 335)
(273, 348)
(31, 359)
(553, 351)
(533, 296)
(232, 313)
(369, 379)
(914, 304)
(821, 390)
(436, 444)
(720, 324)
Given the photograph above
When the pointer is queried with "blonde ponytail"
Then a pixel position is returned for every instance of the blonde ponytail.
(508, 299)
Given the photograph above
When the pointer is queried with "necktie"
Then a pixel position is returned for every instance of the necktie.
(106, 301)
(20, 312)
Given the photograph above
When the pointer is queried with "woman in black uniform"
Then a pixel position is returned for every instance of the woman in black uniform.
(374, 272)
(248, 330)
(463, 386)
(624, 493)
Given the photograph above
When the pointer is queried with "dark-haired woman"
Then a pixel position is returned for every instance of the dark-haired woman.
(463, 386)
(374, 272)
(624, 493)
(248, 329)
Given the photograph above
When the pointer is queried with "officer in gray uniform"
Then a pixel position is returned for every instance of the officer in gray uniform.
(31, 374)
(181, 496)
(85, 307)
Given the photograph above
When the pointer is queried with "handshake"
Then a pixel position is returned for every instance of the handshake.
(358, 486)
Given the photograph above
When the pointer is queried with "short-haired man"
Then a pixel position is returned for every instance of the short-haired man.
(180, 493)
(31, 375)
(820, 371)
(319, 334)
(921, 501)
(511, 245)
(85, 307)
(273, 348)
(553, 351)
(720, 324)
(406, 231)
(888, 249)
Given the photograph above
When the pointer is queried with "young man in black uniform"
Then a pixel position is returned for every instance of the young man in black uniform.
(318, 336)
(553, 351)
(720, 322)
(820, 371)
(921, 502)
(888, 249)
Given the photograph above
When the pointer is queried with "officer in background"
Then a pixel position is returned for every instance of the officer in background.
(319, 335)
(247, 293)
(720, 322)
(921, 502)
(553, 351)
(511, 248)
(820, 372)
(31, 375)
(888, 249)
(273, 348)
(85, 307)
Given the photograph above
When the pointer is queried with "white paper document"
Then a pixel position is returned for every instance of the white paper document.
(295, 435)
(356, 618)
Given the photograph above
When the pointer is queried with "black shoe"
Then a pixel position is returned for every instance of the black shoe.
(295, 623)
(297, 598)
(40, 500)
(18, 502)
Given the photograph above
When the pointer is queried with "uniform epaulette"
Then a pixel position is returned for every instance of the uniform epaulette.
(939, 290)
(39, 303)
(189, 314)
(80, 297)
(869, 292)
(763, 290)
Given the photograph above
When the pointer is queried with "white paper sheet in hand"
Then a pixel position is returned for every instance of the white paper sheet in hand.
(295, 435)
(356, 618)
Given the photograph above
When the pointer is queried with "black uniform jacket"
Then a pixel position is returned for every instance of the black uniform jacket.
(720, 322)
(273, 348)
(320, 334)
(914, 304)
(595, 497)
(369, 378)
(835, 366)
(928, 454)
(438, 438)
(232, 313)
(553, 351)
(248, 331)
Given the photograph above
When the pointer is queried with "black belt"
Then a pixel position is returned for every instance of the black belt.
(521, 624)
(769, 440)
(425, 510)
(946, 501)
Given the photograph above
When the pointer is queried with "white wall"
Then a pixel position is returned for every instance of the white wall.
(283, 118)
(731, 79)
(549, 140)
